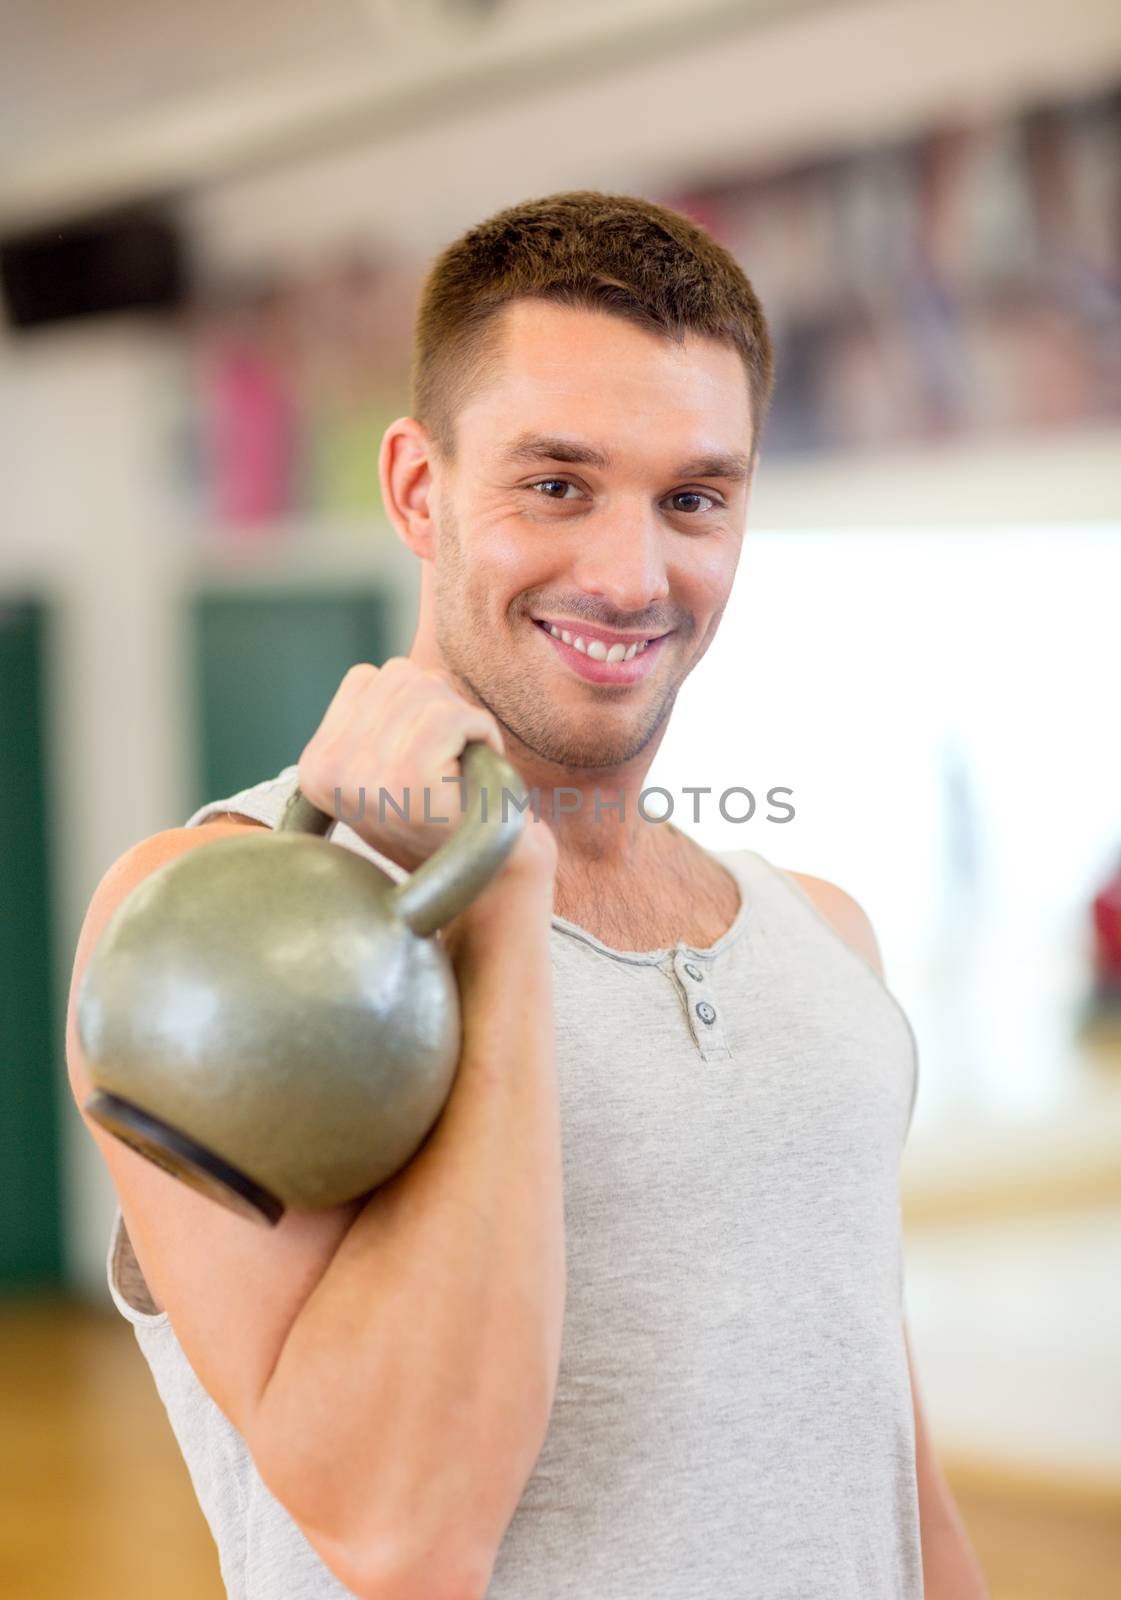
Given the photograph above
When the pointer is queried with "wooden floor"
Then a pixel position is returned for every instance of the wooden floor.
(96, 1504)
(95, 1501)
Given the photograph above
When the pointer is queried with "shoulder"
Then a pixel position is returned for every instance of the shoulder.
(844, 914)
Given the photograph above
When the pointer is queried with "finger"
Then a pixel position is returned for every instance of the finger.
(356, 684)
(426, 747)
(436, 734)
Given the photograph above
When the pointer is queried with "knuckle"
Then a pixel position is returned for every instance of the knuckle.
(360, 671)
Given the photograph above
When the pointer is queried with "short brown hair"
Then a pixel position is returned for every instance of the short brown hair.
(615, 253)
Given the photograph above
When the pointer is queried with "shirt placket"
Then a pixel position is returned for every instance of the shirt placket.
(693, 975)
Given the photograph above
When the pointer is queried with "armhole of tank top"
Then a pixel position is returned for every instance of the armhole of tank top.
(249, 803)
(795, 888)
(246, 813)
(263, 802)
(122, 1280)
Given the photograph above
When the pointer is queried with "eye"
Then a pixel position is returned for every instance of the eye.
(546, 483)
(545, 486)
(695, 494)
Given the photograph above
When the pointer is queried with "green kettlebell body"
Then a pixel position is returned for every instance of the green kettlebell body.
(273, 1020)
(262, 991)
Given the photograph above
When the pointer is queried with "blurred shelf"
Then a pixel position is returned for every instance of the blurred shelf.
(298, 552)
(1065, 1151)
(1048, 478)
(970, 1168)
(1015, 1324)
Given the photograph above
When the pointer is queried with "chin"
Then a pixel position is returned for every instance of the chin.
(582, 749)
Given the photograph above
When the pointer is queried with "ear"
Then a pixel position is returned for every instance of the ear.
(405, 471)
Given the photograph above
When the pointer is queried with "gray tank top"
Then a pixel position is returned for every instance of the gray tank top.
(733, 1412)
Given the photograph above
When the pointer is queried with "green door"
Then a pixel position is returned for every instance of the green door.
(267, 666)
(31, 1031)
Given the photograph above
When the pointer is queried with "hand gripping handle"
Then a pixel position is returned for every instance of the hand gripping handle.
(461, 868)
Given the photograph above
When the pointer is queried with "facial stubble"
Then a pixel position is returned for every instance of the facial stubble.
(606, 732)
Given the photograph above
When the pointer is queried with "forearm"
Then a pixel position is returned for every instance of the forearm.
(950, 1567)
(428, 1351)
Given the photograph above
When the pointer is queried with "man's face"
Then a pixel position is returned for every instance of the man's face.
(600, 491)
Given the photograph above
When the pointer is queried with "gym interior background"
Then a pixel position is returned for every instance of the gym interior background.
(212, 224)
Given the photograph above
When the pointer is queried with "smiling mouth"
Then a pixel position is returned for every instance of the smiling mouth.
(595, 647)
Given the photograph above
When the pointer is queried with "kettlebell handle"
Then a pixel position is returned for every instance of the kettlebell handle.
(464, 864)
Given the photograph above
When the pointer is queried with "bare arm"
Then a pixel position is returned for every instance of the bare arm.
(391, 1363)
(950, 1570)
(429, 1348)
(312, 1410)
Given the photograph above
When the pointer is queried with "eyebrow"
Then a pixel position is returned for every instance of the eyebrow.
(547, 447)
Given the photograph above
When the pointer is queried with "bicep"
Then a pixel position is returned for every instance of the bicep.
(231, 1286)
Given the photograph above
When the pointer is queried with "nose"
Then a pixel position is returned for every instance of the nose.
(622, 560)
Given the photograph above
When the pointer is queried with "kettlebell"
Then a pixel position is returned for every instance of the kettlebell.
(273, 1020)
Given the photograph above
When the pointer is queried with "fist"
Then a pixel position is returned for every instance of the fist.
(385, 758)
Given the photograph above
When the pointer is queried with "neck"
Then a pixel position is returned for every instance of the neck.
(594, 812)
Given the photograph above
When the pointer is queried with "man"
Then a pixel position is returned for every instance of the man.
(630, 1323)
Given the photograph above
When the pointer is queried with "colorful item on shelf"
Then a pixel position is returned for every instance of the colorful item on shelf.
(250, 437)
(1106, 915)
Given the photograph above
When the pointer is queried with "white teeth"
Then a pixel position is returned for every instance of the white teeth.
(596, 647)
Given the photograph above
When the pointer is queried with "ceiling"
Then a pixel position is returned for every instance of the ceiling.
(103, 99)
(280, 121)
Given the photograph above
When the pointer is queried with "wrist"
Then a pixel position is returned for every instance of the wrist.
(520, 894)
(533, 860)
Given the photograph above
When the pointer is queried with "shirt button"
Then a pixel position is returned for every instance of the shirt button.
(706, 1012)
(694, 972)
